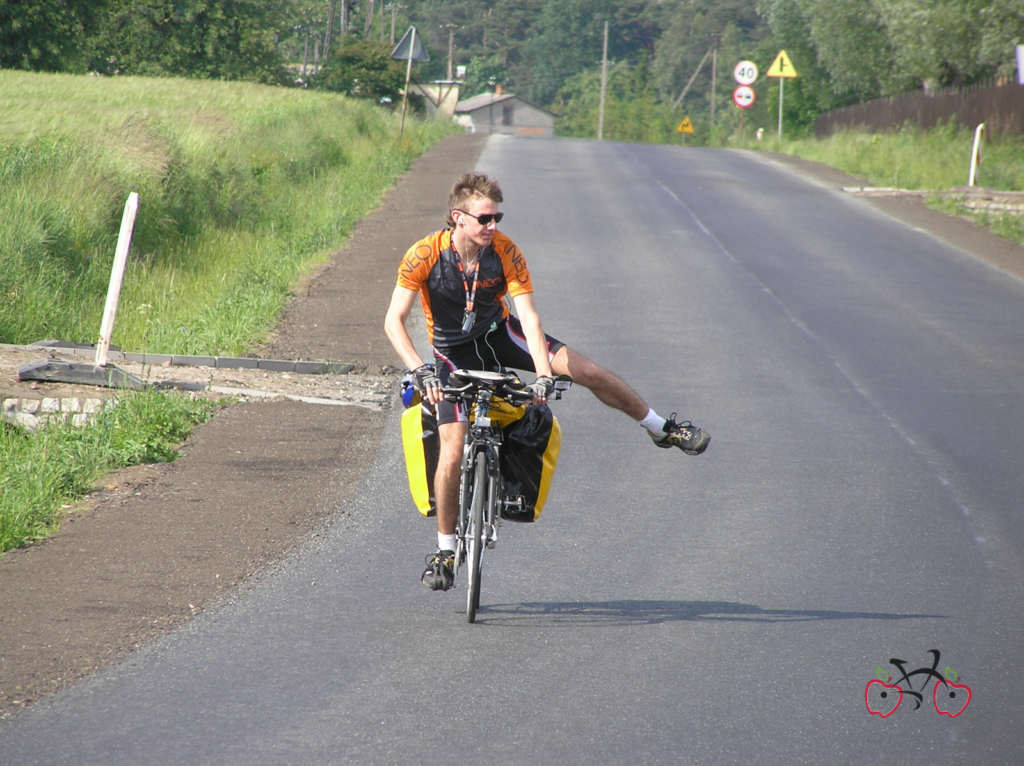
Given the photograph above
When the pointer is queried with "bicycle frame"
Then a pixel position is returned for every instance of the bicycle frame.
(480, 484)
(481, 499)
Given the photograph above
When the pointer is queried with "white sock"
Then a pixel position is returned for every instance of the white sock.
(653, 422)
(446, 542)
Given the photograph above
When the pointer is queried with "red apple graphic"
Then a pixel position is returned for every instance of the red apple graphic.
(951, 699)
(881, 698)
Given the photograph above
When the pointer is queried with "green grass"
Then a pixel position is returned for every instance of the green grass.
(45, 470)
(933, 160)
(242, 189)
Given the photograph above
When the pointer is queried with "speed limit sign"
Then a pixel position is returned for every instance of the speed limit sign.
(744, 96)
(745, 73)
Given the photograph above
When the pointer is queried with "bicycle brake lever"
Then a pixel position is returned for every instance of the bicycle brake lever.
(453, 394)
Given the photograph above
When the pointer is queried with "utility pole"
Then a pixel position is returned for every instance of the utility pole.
(451, 46)
(604, 85)
(714, 68)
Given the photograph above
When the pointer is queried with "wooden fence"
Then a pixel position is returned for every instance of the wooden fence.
(1001, 108)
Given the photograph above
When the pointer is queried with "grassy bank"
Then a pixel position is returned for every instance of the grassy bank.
(934, 160)
(242, 188)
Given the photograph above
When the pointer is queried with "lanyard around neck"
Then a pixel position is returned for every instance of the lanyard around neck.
(470, 294)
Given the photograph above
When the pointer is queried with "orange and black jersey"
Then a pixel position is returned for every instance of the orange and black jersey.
(431, 268)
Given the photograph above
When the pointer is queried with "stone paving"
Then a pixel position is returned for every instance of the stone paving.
(34, 403)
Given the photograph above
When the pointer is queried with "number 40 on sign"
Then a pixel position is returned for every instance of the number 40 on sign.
(745, 73)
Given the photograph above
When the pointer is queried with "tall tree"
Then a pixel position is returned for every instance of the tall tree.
(952, 42)
(570, 36)
(487, 35)
(852, 43)
(45, 34)
(363, 69)
(223, 39)
(692, 30)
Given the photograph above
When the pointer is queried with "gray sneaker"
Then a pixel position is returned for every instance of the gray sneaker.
(439, 574)
(689, 438)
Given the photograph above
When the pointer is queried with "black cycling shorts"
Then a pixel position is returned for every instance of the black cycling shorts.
(501, 347)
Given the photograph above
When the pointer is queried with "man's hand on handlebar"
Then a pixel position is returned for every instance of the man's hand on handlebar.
(427, 382)
(542, 388)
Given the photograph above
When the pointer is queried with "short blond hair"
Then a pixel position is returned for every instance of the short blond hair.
(468, 186)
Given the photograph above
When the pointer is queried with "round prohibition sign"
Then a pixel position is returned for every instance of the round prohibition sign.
(744, 96)
(745, 73)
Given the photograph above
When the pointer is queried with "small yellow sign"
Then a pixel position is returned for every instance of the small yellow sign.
(685, 126)
(781, 67)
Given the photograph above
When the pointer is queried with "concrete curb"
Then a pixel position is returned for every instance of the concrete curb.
(88, 351)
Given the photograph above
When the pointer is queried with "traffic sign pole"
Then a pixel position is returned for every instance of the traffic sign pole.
(408, 75)
(781, 81)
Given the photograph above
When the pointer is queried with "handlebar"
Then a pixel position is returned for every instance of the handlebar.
(469, 389)
(503, 384)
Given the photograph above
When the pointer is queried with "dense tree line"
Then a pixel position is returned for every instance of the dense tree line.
(223, 39)
(548, 51)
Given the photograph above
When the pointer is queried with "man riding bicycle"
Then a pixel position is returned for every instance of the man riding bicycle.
(461, 275)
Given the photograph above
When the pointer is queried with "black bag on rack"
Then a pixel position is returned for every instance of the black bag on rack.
(529, 455)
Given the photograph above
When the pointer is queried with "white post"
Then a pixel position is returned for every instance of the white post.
(604, 85)
(979, 133)
(124, 240)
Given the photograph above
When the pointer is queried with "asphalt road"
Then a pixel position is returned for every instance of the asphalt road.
(859, 504)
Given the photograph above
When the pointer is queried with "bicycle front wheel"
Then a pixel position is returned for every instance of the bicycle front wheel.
(475, 535)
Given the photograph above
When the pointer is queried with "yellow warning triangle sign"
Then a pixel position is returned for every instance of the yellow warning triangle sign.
(685, 126)
(781, 67)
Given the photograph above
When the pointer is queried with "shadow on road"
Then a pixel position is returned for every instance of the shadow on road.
(633, 612)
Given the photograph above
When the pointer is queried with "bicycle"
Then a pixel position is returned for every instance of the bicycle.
(493, 399)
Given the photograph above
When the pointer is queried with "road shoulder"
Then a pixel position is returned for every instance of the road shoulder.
(156, 544)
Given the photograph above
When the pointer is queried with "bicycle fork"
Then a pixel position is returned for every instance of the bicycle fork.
(492, 515)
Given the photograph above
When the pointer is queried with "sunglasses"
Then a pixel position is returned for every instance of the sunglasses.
(484, 219)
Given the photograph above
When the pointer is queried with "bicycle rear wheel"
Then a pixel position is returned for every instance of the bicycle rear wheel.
(475, 535)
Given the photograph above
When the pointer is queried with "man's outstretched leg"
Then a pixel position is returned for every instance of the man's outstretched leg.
(610, 389)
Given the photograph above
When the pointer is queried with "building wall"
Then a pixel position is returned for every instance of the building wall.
(513, 117)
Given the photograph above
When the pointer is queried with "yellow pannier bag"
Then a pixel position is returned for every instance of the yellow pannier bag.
(421, 446)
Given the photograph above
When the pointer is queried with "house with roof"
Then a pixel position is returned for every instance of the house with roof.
(501, 112)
